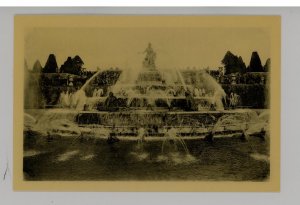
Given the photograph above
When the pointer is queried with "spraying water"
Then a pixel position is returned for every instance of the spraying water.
(246, 121)
(172, 141)
(140, 153)
(181, 79)
(87, 83)
(174, 150)
(58, 122)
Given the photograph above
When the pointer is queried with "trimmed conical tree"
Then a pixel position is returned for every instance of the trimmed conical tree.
(255, 63)
(37, 67)
(267, 65)
(67, 67)
(51, 65)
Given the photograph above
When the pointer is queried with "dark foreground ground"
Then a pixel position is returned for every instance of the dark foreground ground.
(229, 159)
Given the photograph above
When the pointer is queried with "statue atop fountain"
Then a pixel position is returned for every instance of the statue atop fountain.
(149, 60)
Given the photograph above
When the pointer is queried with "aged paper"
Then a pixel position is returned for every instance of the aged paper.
(147, 103)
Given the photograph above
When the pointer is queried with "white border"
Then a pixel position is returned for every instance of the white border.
(290, 138)
(116, 3)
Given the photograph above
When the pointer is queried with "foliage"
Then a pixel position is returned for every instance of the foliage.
(246, 78)
(51, 65)
(233, 63)
(267, 65)
(255, 63)
(37, 67)
(72, 66)
(252, 96)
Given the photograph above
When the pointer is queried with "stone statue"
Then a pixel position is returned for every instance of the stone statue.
(149, 60)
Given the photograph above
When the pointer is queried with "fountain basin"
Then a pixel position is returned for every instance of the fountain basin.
(193, 124)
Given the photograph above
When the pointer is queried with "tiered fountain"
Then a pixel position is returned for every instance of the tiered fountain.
(145, 105)
(154, 98)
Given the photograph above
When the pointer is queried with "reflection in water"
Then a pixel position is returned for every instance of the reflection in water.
(87, 157)
(67, 155)
(260, 157)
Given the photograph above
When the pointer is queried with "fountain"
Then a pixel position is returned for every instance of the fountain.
(124, 98)
(172, 141)
(147, 123)
(139, 151)
(147, 93)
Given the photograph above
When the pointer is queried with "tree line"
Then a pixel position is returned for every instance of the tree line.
(71, 66)
(235, 64)
(232, 64)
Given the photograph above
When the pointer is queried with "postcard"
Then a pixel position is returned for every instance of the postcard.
(147, 103)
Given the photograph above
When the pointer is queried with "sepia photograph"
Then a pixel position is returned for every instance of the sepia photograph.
(147, 103)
